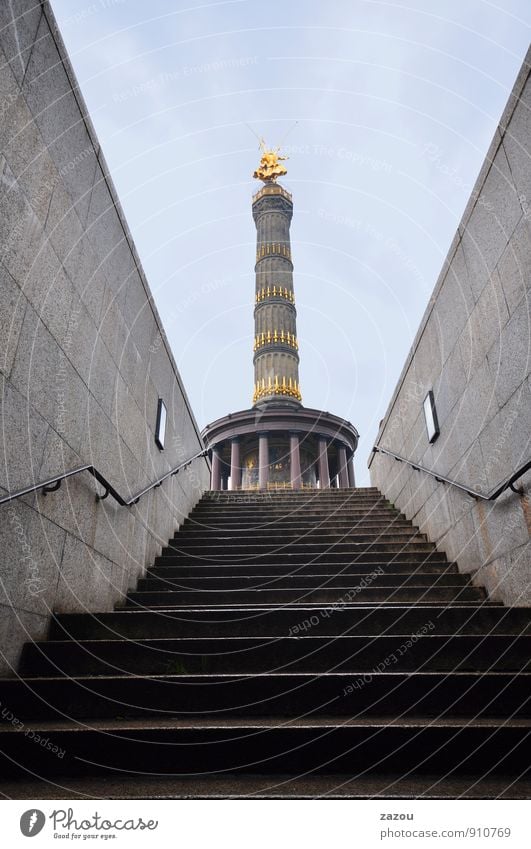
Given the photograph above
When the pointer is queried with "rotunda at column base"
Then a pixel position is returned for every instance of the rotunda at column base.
(281, 447)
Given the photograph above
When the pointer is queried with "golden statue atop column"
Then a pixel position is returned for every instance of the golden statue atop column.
(270, 167)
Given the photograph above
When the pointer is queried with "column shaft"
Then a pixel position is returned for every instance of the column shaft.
(235, 467)
(350, 467)
(343, 468)
(324, 473)
(295, 461)
(215, 476)
(263, 460)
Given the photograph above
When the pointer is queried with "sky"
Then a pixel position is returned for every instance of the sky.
(386, 111)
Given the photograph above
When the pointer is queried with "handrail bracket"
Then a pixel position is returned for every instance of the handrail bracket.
(53, 488)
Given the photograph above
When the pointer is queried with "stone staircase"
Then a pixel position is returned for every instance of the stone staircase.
(290, 644)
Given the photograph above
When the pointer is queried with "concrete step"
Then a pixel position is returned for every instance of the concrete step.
(292, 513)
(306, 549)
(313, 654)
(295, 523)
(346, 695)
(358, 569)
(273, 622)
(348, 492)
(244, 497)
(185, 747)
(304, 519)
(295, 503)
(285, 786)
(410, 594)
(296, 500)
(158, 580)
(289, 559)
(185, 540)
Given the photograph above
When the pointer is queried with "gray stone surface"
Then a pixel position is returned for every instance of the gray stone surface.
(492, 222)
(79, 383)
(505, 442)
(454, 302)
(17, 627)
(32, 551)
(23, 441)
(514, 267)
(85, 579)
(485, 324)
(449, 384)
(19, 23)
(56, 112)
(510, 357)
(12, 309)
(517, 143)
(479, 372)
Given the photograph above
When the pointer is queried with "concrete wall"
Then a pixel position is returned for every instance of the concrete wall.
(473, 349)
(83, 356)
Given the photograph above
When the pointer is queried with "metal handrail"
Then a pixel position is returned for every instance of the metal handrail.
(53, 484)
(508, 484)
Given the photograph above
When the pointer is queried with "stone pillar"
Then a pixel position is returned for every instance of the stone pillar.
(263, 460)
(235, 466)
(350, 468)
(343, 468)
(215, 475)
(295, 461)
(324, 473)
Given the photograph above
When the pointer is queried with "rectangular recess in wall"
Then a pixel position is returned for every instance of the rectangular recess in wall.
(160, 430)
(430, 416)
